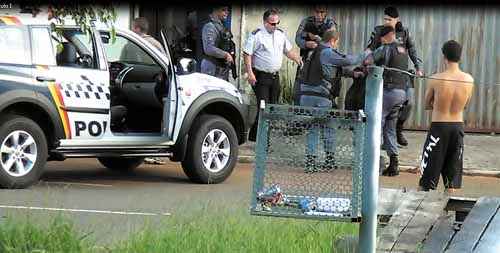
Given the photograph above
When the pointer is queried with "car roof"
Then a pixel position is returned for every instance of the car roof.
(20, 20)
(23, 19)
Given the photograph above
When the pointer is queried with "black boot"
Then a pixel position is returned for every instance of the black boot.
(310, 166)
(393, 168)
(381, 165)
(399, 134)
(329, 162)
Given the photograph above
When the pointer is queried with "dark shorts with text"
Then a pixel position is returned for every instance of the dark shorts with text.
(443, 155)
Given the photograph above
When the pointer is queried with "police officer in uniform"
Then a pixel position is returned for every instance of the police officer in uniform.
(216, 61)
(319, 84)
(391, 18)
(393, 55)
(263, 54)
(309, 34)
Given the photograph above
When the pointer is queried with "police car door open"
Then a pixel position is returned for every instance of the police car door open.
(79, 86)
(170, 102)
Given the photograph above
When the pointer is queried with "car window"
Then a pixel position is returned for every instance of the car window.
(74, 49)
(124, 50)
(41, 45)
(85, 42)
(14, 43)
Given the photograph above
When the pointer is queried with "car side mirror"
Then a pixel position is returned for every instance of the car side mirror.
(186, 66)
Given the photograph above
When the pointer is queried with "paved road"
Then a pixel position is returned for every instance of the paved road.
(84, 190)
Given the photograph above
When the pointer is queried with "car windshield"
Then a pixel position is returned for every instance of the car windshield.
(124, 49)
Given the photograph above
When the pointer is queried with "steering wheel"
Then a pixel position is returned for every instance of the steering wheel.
(85, 60)
(121, 76)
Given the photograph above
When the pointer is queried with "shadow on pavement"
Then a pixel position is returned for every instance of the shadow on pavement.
(97, 174)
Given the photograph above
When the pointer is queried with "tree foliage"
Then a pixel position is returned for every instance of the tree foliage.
(82, 14)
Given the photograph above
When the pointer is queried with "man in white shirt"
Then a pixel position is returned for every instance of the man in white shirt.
(263, 55)
(141, 26)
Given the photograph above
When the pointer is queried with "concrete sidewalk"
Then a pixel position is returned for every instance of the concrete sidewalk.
(481, 155)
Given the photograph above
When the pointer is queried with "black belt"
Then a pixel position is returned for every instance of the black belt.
(392, 86)
(316, 94)
(274, 74)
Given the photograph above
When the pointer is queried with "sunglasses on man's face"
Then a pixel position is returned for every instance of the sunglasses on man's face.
(274, 24)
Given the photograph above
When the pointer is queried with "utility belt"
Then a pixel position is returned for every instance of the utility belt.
(273, 75)
(391, 86)
(315, 94)
(395, 81)
(327, 94)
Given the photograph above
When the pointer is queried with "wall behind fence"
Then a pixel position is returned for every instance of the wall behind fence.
(475, 27)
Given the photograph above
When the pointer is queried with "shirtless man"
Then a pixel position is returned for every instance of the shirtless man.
(443, 149)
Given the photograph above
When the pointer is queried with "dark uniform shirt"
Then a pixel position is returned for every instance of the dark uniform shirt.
(331, 59)
(308, 25)
(392, 55)
(210, 37)
(403, 38)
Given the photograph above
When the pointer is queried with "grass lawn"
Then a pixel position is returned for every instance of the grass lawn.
(210, 228)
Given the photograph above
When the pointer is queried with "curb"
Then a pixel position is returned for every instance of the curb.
(405, 168)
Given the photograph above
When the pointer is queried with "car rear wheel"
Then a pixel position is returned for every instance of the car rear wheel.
(23, 151)
(212, 150)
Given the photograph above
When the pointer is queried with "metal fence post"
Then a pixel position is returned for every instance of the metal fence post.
(373, 109)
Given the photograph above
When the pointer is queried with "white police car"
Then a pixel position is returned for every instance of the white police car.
(119, 102)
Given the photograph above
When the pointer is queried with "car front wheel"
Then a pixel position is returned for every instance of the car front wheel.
(212, 150)
(23, 151)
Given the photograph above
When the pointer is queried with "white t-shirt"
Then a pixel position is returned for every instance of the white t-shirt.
(267, 49)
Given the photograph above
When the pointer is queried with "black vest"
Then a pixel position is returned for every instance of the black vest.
(222, 41)
(312, 73)
(396, 57)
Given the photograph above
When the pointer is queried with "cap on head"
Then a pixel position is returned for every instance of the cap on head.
(320, 7)
(391, 11)
(218, 7)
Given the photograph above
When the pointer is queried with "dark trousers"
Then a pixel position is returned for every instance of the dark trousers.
(404, 113)
(266, 88)
(392, 101)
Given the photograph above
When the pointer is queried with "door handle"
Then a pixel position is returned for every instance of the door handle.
(45, 79)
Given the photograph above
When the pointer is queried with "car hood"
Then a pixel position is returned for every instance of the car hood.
(196, 84)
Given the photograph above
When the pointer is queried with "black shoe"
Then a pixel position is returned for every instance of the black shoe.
(393, 168)
(329, 162)
(310, 166)
(399, 135)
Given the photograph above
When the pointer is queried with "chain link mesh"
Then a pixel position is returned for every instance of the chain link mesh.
(308, 163)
